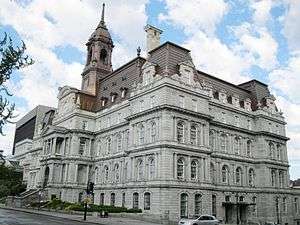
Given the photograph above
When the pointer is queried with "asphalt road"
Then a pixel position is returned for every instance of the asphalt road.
(11, 217)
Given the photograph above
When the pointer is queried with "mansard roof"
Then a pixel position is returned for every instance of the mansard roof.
(167, 57)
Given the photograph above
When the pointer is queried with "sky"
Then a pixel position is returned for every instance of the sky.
(235, 40)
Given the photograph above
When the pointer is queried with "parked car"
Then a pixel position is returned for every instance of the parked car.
(201, 220)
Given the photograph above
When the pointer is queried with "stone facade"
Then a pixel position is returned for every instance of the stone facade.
(173, 141)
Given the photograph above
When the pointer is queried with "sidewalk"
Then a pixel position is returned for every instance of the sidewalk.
(79, 218)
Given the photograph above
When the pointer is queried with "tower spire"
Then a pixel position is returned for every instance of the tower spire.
(102, 22)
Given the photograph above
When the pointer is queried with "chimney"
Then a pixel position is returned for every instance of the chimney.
(153, 37)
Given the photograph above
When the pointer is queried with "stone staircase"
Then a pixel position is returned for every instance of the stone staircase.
(25, 198)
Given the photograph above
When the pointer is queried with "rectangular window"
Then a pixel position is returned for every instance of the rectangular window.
(194, 105)
(296, 205)
(181, 101)
(82, 146)
(102, 199)
(223, 117)
(119, 117)
(214, 205)
(123, 200)
(108, 122)
(284, 205)
(84, 125)
(249, 127)
(198, 204)
(142, 105)
(152, 101)
(135, 201)
(237, 121)
(112, 199)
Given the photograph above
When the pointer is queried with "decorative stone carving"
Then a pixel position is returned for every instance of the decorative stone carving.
(247, 104)
(148, 72)
(235, 100)
(186, 71)
(270, 104)
(223, 96)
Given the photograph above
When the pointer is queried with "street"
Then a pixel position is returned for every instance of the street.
(33, 217)
(10, 217)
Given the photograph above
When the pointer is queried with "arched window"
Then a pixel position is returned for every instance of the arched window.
(281, 178)
(212, 140)
(119, 142)
(248, 150)
(238, 176)
(251, 177)
(225, 174)
(103, 56)
(183, 205)
(193, 135)
(142, 134)
(180, 168)
(153, 131)
(140, 167)
(135, 202)
(112, 199)
(271, 150)
(223, 142)
(151, 168)
(273, 178)
(117, 173)
(194, 170)
(279, 156)
(180, 132)
(147, 202)
(106, 173)
(236, 146)
(198, 204)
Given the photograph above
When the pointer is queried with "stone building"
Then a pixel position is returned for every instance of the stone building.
(160, 135)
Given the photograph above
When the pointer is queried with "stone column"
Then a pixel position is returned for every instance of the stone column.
(202, 170)
(51, 170)
(156, 165)
(188, 168)
(76, 173)
(175, 165)
(54, 146)
(87, 174)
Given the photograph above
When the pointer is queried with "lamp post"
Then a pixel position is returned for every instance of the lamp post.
(89, 191)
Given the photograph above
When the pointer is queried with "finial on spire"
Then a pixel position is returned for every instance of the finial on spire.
(138, 51)
(102, 22)
(103, 11)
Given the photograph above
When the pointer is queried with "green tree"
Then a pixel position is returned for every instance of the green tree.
(11, 58)
(10, 181)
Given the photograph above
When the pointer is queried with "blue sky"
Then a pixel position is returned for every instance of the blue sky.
(234, 40)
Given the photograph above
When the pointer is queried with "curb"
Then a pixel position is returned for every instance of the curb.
(39, 213)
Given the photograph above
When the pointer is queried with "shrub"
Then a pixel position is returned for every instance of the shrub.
(134, 210)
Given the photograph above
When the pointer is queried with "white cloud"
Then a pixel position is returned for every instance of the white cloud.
(261, 47)
(291, 25)
(212, 56)
(46, 25)
(195, 15)
(287, 80)
(261, 10)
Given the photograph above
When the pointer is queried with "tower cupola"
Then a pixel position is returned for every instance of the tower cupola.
(99, 53)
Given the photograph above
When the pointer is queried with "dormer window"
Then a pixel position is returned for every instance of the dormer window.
(123, 92)
(103, 101)
(113, 97)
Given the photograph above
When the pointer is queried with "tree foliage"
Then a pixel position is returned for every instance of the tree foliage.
(12, 58)
(10, 181)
